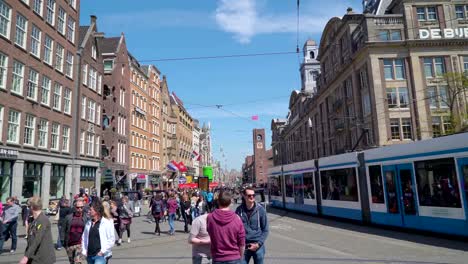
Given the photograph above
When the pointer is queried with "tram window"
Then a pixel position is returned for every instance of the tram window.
(339, 185)
(289, 181)
(275, 186)
(375, 174)
(437, 183)
(465, 176)
(298, 189)
(309, 188)
(408, 193)
(392, 201)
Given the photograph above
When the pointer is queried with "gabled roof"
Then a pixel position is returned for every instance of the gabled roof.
(82, 33)
(110, 45)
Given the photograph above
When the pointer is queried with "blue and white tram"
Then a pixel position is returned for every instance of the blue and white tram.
(421, 185)
(339, 186)
(275, 187)
(299, 191)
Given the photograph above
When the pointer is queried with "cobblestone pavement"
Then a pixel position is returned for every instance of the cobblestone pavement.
(294, 238)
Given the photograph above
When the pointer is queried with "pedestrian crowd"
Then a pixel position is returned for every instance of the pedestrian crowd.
(89, 227)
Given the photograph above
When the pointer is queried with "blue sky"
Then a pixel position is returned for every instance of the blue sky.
(245, 86)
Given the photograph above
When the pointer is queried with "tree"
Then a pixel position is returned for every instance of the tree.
(456, 100)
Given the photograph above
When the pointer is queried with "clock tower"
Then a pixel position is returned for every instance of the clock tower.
(310, 67)
(260, 162)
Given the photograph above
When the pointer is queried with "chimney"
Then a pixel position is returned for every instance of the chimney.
(93, 19)
(349, 11)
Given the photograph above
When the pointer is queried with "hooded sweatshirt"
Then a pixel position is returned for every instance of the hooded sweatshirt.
(227, 235)
(255, 222)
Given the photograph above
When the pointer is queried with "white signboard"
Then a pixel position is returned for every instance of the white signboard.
(447, 33)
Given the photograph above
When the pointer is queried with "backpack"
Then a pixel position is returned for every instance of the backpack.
(209, 197)
(156, 207)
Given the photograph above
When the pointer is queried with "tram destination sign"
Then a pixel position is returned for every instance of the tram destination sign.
(446, 33)
(8, 153)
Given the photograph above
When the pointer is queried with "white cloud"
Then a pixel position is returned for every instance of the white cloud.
(245, 19)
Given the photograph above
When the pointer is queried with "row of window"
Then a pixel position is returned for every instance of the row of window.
(437, 186)
(92, 79)
(37, 132)
(139, 120)
(63, 59)
(91, 110)
(35, 90)
(139, 80)
(89, 144)
(121, 150)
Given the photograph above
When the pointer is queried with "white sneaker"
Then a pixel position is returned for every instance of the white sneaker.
(120, 241)
(129, 241)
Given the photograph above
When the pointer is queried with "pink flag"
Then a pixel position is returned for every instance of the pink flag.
(255, 118)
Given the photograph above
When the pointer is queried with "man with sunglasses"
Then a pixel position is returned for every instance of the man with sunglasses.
(255, 221)
(73, 228)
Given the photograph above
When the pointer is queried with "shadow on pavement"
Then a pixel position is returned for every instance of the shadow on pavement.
(415, 236)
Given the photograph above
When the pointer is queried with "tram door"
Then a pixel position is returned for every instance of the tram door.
(400, 193)
(463, 172)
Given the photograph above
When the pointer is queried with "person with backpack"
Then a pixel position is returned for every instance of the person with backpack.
(157, 210)
(209, 200)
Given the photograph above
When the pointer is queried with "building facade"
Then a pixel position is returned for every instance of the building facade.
(38, 45)
(196, 148)
(184, 131)
(88, 121)
(154, 143)
(140, 133)
(386, 78)
(115, 112)
(169, 135)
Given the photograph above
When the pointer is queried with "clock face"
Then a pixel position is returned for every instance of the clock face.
(259, 145)
(259, 137)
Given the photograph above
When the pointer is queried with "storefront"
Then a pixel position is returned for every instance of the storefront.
(6, 171)
(32, 179)
(57, 181)
(7, 159)
(88, 177)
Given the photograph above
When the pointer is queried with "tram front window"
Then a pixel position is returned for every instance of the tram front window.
(437, 183)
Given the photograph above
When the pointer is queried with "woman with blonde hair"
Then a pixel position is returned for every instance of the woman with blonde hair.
(107, 211)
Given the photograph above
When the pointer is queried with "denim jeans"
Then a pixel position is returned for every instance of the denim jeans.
(59, 240)
(257, 256)
(9, 230)
(171, 222)
(200, 260)
(96, 260)
(228, 262)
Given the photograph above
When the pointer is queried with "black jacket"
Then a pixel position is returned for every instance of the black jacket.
(67, 225)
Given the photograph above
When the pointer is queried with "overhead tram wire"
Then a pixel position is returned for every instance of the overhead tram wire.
(41, 64)
(297, 34)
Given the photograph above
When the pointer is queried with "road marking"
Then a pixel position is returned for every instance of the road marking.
(315, 246)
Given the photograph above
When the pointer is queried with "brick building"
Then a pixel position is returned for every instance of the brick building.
(140, 133)
(255, 168)
(87, 121)
(115, 112)
(154, 111)
(38, 46)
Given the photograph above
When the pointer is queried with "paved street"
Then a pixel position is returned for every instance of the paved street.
(294, 238)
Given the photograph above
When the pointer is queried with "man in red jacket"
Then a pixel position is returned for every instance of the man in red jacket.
(227, 233)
